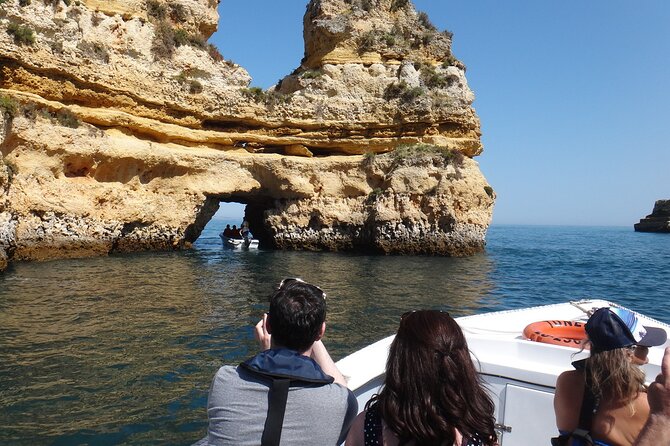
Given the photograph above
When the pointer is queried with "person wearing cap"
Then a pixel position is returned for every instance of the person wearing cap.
(604, 400)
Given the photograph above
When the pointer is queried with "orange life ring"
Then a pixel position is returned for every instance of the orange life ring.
(565, 333)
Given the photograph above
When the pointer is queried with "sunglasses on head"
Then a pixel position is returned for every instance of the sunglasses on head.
(407, 313)
(297, 279)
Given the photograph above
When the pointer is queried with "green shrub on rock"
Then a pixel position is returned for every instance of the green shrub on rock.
(163, 45)
(178, 12)
(22, 34)
(156, 9)
(401, 90)
(67, 119)
(412, 152)
(192, 85)
(8, 105)
(432, 79)
(424, 20)
(367, 42)
(94, 49)
(398, 4)
(449, 61)
(311, 74)
(255, 93)
(214, 53)
(167, 36)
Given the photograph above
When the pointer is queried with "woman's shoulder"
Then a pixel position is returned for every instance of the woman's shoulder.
(570, 382)
(571, 376)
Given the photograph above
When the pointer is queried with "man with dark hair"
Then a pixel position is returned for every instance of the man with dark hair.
(291, 393)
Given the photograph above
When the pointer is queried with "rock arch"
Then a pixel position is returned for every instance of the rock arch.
(114, 142)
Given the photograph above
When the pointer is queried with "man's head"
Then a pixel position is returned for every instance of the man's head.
(297, 313)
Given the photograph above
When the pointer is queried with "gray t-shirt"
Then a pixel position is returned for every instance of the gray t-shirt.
(238, 406)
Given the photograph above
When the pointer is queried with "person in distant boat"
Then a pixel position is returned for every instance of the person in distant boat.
(235, 233)
(245, 233)
(291, 393)
(432, 394)
(656, 430)
(228, 232)
(604, 400)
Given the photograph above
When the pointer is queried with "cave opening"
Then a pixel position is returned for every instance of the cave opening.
(217, 214)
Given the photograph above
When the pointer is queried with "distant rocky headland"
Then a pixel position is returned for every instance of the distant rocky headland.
(658, 220)
(122, 129)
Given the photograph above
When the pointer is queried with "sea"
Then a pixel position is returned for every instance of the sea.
(122, 349)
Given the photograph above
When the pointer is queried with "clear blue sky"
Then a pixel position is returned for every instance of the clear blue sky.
(574, 96)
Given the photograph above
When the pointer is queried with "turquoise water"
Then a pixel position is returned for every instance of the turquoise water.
(121, 350)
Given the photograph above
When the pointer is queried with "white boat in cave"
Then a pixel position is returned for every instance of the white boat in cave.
(238, 243)
(520, 374)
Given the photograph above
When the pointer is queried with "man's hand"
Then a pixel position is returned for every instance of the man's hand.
(261, 333)
(659, 391)
(657, 429)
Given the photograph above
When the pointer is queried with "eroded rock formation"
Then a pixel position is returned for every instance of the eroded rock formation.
(122, 130)
(658, 220)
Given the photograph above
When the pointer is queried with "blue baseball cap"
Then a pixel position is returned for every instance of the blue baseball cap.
(611, 328)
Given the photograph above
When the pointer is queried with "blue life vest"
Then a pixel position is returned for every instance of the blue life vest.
(285, 368)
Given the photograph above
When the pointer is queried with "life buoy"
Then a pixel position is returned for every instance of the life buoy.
(565, 333)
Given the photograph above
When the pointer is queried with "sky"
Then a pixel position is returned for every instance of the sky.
(573, 96)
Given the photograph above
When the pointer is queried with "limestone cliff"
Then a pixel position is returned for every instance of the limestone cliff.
(658, 220)
(122, 130)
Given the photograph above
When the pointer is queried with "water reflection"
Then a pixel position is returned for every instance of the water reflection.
(122, 349)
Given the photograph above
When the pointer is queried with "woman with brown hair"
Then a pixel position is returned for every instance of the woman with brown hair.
(432, 393)
(604, 401)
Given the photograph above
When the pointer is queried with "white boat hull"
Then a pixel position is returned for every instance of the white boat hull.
(238, 243)
(520, 374)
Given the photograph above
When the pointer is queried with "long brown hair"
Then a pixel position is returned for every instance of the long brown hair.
(431, 384)
(613, 375)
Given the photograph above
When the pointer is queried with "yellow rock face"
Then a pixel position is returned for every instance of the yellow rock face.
(116, 138)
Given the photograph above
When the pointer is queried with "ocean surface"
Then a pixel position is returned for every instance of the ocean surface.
(122, 349)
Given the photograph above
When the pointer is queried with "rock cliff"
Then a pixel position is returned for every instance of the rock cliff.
(122, 130)
(658, 220)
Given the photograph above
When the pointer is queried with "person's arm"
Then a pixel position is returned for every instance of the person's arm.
(322, 357)
(262, 335)
(356, 435)
(656, 430)
(567, 401)
(318, 353)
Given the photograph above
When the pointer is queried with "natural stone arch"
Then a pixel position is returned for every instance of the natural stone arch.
(109, 146)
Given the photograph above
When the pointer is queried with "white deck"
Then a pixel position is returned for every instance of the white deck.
(520, 374)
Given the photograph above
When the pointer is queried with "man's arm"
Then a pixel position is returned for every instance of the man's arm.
(657, 429)
(318, 351)
(262, 335)
(322, 357)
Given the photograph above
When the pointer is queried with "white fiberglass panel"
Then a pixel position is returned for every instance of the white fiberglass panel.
(529, 416)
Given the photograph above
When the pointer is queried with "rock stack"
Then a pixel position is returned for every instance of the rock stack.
(122, 129)
(658, 220)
